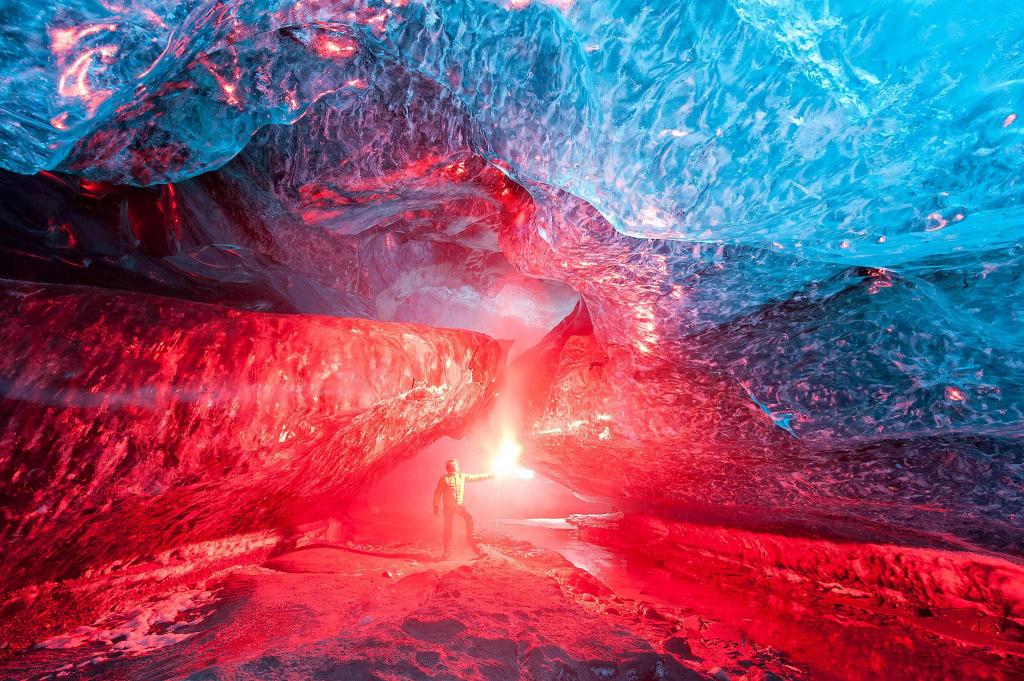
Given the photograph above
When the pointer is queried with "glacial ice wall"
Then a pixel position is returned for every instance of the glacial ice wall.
(775, 144)
(793, 227)
(133, 426)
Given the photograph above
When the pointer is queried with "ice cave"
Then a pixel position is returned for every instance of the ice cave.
(716, 305)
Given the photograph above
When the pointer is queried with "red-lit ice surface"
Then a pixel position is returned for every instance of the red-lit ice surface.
(392, 611)
(147, 441)
(839, 609)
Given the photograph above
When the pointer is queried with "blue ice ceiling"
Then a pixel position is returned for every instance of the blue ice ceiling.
(823, 195)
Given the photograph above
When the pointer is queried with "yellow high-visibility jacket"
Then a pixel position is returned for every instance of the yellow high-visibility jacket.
(452, 487)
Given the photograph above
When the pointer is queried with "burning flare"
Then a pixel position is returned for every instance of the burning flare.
(505, 463)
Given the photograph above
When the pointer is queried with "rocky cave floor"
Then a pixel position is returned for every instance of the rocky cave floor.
(388, 611)
(396, 612)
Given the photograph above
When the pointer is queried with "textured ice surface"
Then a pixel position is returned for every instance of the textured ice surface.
(798, 123)
(133, 425)
(776, 143)
(794, 227)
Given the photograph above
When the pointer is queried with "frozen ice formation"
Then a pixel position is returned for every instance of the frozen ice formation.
(771, 146)
(132, 425)
(784, 240)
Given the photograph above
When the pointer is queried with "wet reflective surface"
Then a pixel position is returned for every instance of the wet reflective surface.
(837, 633)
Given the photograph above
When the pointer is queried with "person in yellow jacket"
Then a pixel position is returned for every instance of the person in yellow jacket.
(451, 489)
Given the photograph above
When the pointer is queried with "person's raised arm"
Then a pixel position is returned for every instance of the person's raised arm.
(477, 477)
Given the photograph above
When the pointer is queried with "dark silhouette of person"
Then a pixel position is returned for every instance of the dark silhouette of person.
(451, 488)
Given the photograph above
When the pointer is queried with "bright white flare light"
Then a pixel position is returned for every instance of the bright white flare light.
(506, 461)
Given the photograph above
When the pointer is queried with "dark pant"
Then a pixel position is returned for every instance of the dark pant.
(449, 519)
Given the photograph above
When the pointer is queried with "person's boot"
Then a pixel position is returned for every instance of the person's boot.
(446, 554)
(478, 551)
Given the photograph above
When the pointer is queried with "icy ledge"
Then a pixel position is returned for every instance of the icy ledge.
(133, 425)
